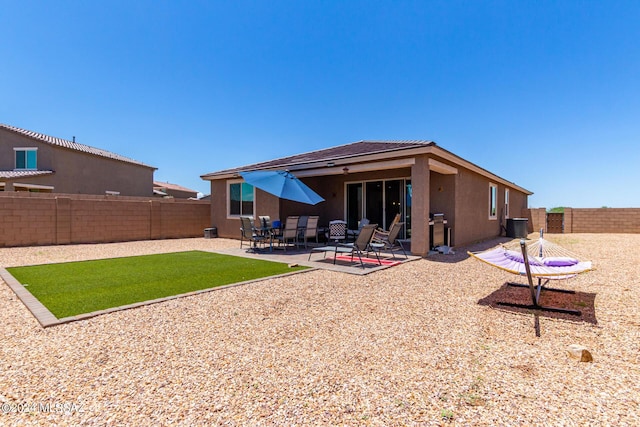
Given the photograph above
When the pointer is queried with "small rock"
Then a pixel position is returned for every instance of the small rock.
(580, 352)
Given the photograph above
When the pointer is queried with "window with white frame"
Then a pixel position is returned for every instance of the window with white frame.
(240, 197)
(506, 203)
(493, 201)
(26, 158)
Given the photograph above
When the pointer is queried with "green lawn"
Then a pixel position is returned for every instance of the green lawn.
(68, 289)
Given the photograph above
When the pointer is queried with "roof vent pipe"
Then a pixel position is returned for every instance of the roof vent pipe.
(74, 138)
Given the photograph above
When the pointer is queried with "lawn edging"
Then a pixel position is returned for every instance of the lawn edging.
(39, 311)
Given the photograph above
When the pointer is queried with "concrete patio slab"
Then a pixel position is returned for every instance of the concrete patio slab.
(318, 260)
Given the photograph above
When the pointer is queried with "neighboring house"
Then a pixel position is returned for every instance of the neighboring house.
(377, 180)
(166, 189)
(31, 161)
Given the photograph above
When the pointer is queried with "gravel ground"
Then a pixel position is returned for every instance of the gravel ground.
(409, 345)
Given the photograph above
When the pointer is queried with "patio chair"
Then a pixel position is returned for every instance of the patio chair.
(337, 231)
(302, 221)
(265, 221)
(302, 224)
(311, 230)
(380, 233)
(389, 241)
(249, 233)
(265, 226)
(354, 233)
(290, 232)
(359, 247)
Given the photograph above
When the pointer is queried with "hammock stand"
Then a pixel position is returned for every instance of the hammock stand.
(544, 272)
(535, 290)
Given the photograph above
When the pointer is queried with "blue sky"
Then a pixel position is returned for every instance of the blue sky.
(543, 93)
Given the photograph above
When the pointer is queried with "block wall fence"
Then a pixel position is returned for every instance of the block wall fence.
(590, 220)
(31, 219)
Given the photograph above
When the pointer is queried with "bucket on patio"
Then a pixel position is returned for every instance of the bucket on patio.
(210, 233)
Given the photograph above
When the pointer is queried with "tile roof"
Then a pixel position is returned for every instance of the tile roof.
(22, 174)
(169, 186)
(72, 145)
(346, 151)
(361, 151)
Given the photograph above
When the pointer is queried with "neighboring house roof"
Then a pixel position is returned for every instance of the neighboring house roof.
(378, 154)
(158, 185)
(23, 174)
(72, 145)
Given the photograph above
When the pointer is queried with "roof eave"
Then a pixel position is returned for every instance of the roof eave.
(333, 165)
(327, 162)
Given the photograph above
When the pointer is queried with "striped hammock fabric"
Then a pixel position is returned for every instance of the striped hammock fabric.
(546, 259)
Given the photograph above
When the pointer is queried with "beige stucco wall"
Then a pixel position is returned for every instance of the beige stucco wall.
(77, 172)
(472, 222)
(218, 211)
(519, 205)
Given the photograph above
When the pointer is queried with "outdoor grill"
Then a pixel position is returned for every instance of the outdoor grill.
(437, 239)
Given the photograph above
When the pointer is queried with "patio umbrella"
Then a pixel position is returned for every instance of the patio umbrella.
(282, 184)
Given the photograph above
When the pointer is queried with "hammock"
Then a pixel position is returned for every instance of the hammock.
(541, 259)
(546, 260)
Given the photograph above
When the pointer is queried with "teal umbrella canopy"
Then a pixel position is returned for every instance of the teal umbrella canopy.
(282, 184)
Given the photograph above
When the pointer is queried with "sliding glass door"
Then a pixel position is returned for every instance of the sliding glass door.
(374, 202)
(393, 198)
(379, 201)
(354, 205)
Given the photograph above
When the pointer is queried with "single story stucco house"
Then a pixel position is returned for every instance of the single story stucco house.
(377, 180)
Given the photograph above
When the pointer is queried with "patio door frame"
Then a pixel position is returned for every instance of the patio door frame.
(404, 209)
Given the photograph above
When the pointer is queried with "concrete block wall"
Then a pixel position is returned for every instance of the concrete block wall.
(109, 220)
(27, 222)
(537, 220)
(48, 219)
(602, 220)
(180, 219)
(591, 220)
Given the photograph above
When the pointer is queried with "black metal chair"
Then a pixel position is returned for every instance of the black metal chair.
(337, 231)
